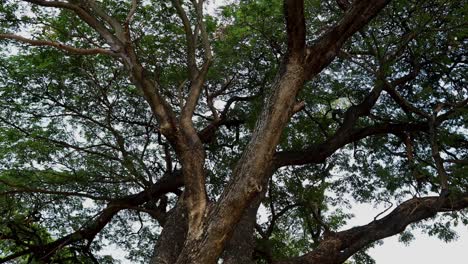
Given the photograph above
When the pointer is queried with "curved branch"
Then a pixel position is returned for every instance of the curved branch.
(327, 46)
(60, 46)
(341, 245)
(168, 183)
(346, 133)
(92, 21)
(319, 152)
(139, 75)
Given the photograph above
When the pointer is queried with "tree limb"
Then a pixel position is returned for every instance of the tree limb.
(125, 51)
(189, 36)
(295, 27)
(319, 152)
(328, 45)
(168, 183)
(341, 245)
(69, 49)
(254, 166)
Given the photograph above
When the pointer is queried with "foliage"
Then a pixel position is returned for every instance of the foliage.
(76, 132)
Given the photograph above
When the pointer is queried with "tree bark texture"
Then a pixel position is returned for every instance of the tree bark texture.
(171, 240)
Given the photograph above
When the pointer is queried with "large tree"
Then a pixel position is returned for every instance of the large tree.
(160, 128)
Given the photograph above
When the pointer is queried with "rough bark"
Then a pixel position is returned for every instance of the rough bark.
(172, 237)
(241, 245)
(239, 249)
(250, 172)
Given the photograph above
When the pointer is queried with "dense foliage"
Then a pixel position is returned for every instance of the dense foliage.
(384, 122)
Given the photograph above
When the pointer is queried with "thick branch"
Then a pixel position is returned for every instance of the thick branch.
(342, 136)
(138, 74)
(319, 152)
(346, 133)
(327, 47)
(255, 164)
(340, 246)
(168, 183)
(114, 42)
(295, 27)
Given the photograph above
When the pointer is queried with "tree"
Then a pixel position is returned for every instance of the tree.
(142, 122)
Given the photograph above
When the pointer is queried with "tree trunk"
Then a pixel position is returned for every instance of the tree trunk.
(240, 248)
(171, 240)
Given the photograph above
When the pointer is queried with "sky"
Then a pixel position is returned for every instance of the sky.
(423, 250)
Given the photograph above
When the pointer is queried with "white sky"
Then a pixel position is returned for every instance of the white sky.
(422, 250)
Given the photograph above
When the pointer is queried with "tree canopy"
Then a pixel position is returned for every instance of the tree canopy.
(161, 128)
